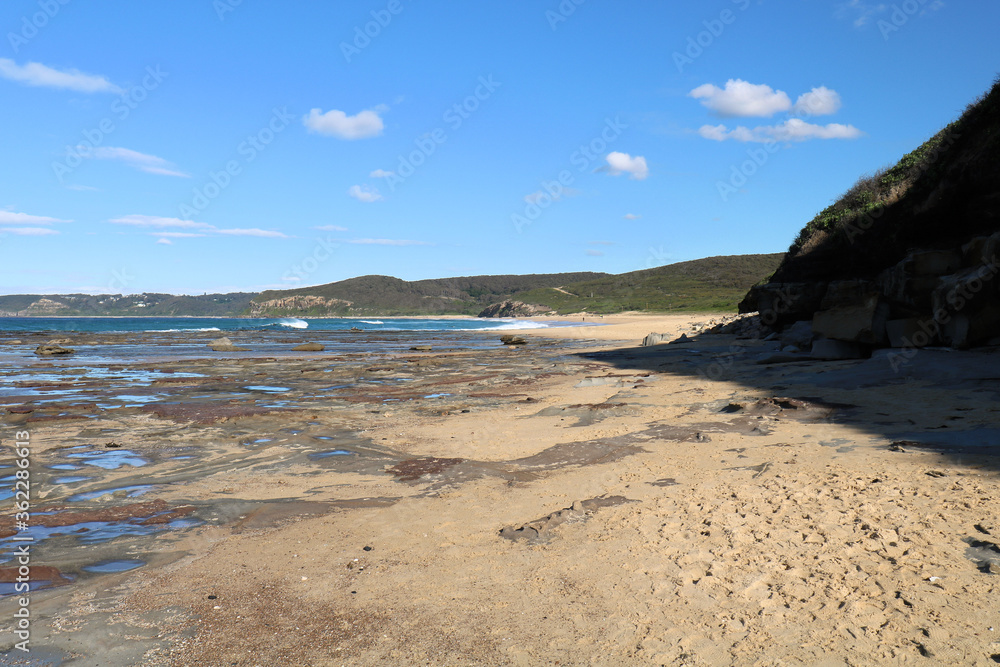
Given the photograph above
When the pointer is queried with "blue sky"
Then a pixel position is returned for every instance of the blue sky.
(199, 145)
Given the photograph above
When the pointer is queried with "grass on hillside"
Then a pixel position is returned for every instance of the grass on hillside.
(874, 192)
(707, 285)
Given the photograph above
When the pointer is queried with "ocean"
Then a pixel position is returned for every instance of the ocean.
(224, 324)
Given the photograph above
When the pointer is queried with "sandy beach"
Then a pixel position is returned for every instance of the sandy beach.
(578, 500)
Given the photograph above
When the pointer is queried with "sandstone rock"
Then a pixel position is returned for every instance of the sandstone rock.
(653, 339)
(511, 309)
(779, 303)
(308, 347)
(847, 293)
(911, 332)
(782, 357)
(933, 262)
(973, 287)
(799, 335)
(225, 345)
(513, 340)
(861, 322)
(52, 350)
(836, 349)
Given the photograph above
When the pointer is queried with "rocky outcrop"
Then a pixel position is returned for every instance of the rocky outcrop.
(930, 297)
(49, 350)
(308, 347)
(512, 309)
(293, 305)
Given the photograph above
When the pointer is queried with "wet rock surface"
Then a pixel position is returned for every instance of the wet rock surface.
(189, 499)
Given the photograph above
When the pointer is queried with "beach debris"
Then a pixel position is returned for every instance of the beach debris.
(50, 350)
(309, 347)
(512, 340)
(225, 345)
(541, 529)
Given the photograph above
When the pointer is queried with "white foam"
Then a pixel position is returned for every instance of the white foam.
(508, 325)
(179, 330)
(373, 321)
(294, 323)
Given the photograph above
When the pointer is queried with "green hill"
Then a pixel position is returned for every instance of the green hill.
(133, 305)
(711, 284)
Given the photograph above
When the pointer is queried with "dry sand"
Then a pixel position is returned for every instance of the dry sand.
(743, 528)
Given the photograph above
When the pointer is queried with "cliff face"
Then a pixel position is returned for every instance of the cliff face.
(512, 309)
(298, 305)
(909, 256)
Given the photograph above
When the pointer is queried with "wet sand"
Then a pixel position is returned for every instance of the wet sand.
(577, 500)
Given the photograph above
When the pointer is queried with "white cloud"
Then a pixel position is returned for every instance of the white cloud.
(204, 229)
(595, 253)
(159, 223)
(338, 124)
(381, 173)
(364, 193)
(28, 231)
(793, 129)
(632, 216)
(37, 74)
(331, 228)
(11, 218)
(149, 163)
(818, 102)
(861, 11)
(164, 242)
(740, 98)
(393, 242)
(177, 235)
(623, 163)
(262, 233)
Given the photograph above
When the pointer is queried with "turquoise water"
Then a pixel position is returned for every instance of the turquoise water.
(176, 324)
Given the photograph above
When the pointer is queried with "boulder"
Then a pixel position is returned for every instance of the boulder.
(832, 350)
(799, 335)
(308, 347)
(225, 345)
(513, 340)
(653, 339)
(52, 350)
